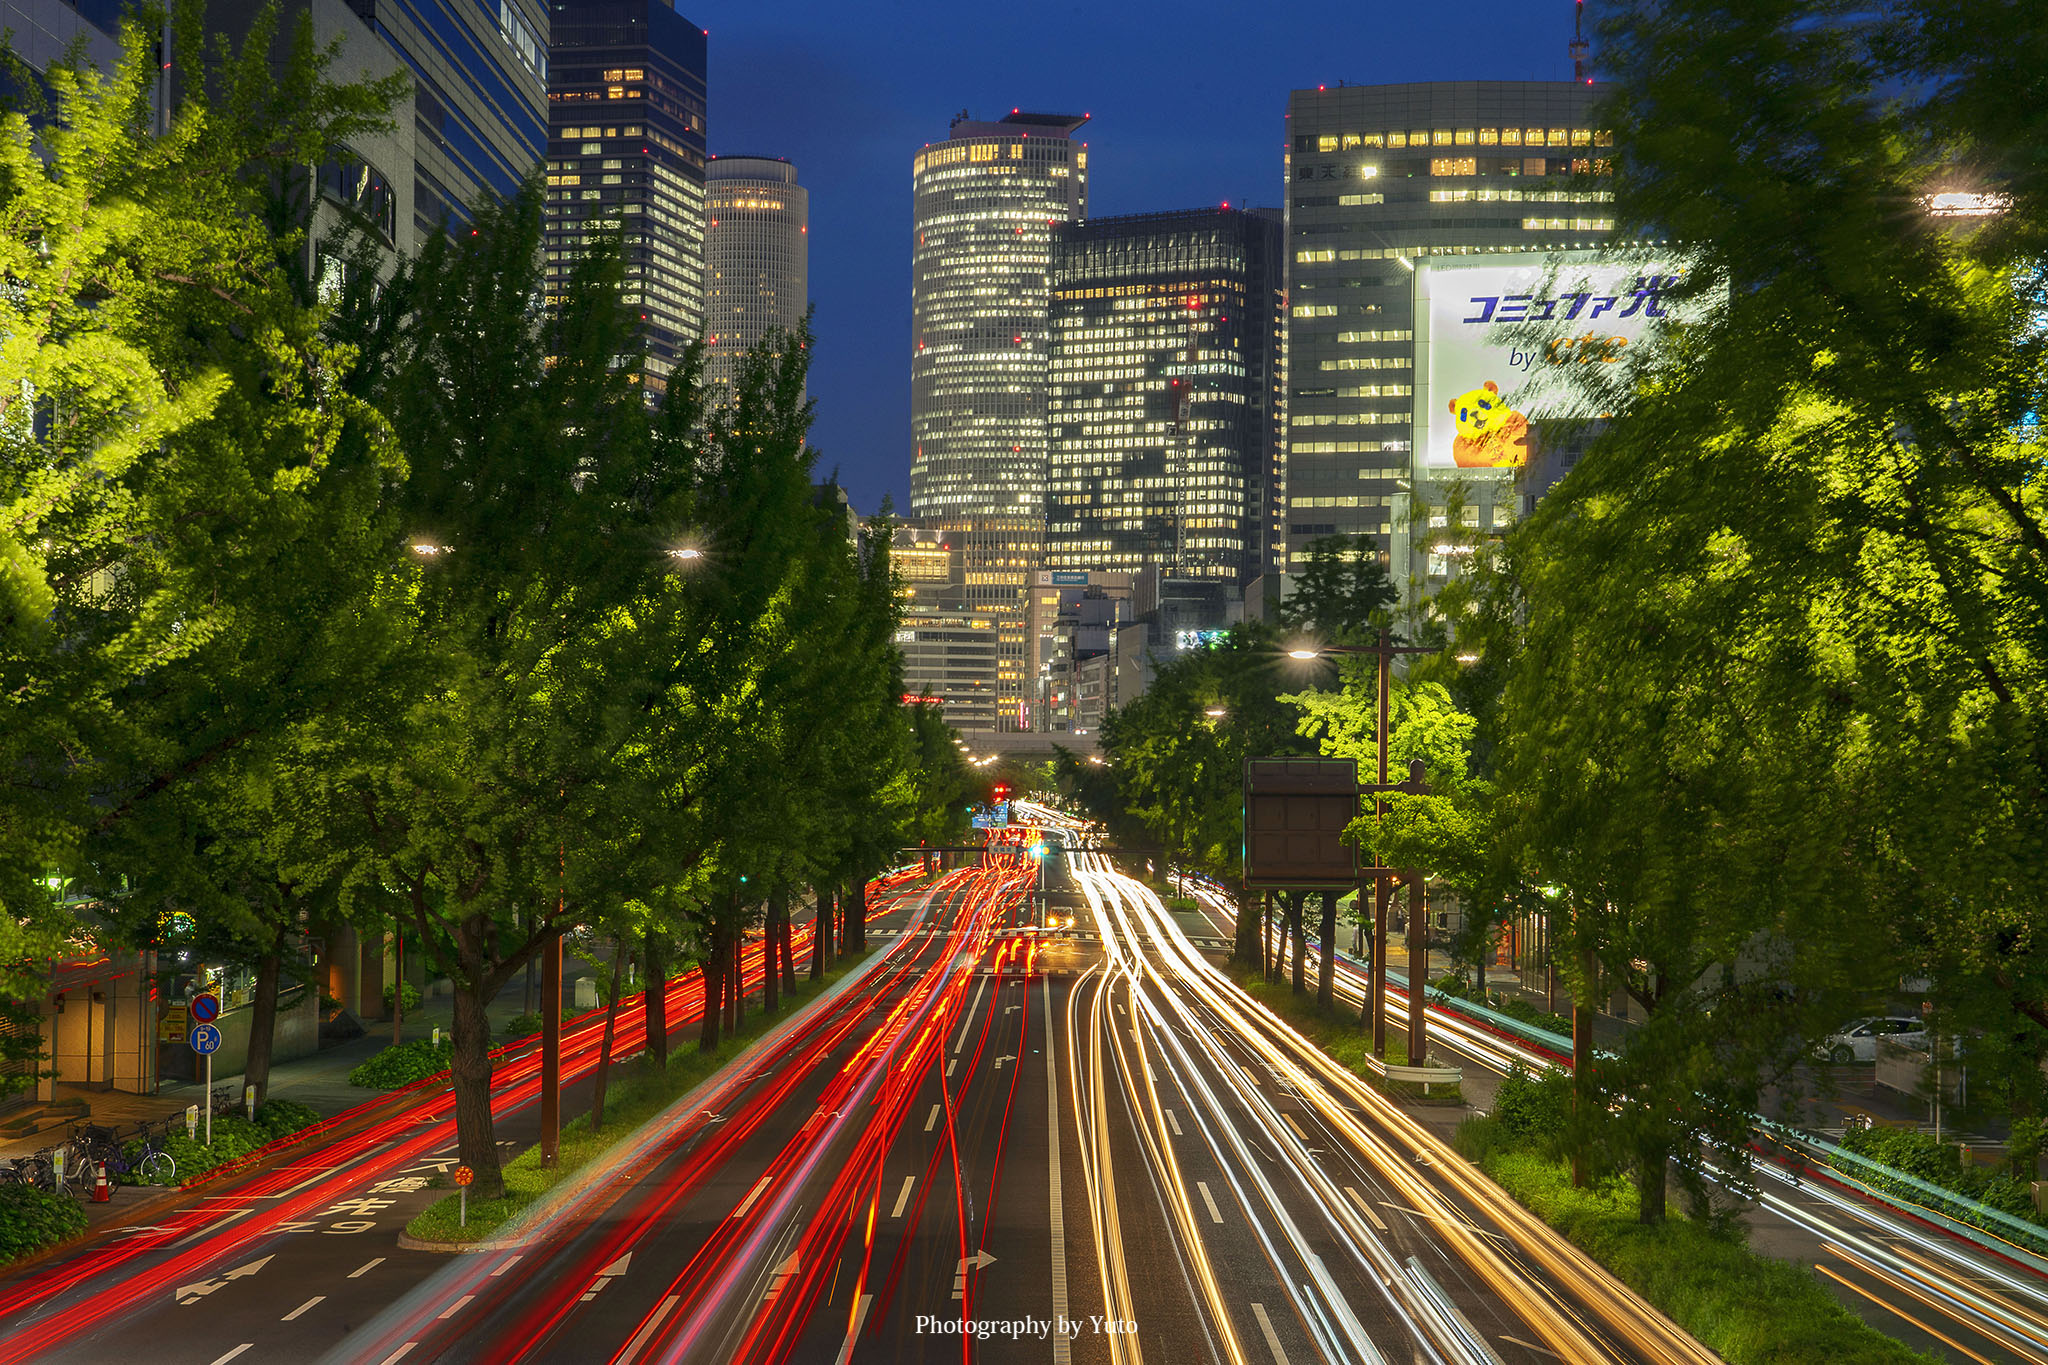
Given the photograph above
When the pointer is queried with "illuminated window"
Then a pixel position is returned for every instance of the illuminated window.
(1582, 137)
(1397, 139)
(1465, 137)
(1453, 165)
(1489, 137)
(1560, 137)
(1328, 142)
(1511, 137)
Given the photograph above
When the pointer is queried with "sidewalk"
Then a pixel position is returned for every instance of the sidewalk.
(318, 1081)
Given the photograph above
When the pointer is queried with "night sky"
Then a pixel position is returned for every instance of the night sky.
(1188, 99)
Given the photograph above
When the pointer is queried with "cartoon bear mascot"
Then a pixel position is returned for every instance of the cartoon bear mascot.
(1491, 435)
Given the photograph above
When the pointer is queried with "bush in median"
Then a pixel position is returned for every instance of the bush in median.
(31, 1219)
(404, 1064)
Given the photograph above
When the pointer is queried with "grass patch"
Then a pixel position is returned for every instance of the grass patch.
(637, 1093)
(1341, 1037)
(1748, 1308)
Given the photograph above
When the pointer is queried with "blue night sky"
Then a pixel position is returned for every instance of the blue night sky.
(1188, 99)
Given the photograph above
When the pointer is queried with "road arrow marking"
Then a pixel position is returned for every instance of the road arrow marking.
(1000, 1060)
(616, 1268)
(205, 1287)
(789, 1267)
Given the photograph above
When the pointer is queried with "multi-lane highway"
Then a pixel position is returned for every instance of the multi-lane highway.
(1933, 1291)
(995, 1143)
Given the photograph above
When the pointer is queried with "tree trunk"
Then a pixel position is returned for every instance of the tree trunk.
(263, 1018)
(821, 931)
(771, 951)
(470, 1067)
(1245, 953)
(1651, 1174)
(1583, 1098)
(1326, 969)
(739, 977)
(788, 951)
(857, 917)
(655, 996)
(1297, 939)
(713, 972)
(604, 1050)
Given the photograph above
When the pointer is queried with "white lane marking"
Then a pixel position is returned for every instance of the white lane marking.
(950, 1065)
(1207, 1198)
(456, 1307)
(305, 1184)
(294, 1314)
(752, 1195)
(510, 1261)
(399, 1354)
(361, 1271)
(1366, 1209)
(1295, 1126)
(1530, 1345)
(968, 1018)
(640, 1337)
(1062, 1352)
(1272, 1337)
(931, 1118)
(232, 1354)
(860, 1313)
(1173, 1123)
(212, 1228)
(903, 1196)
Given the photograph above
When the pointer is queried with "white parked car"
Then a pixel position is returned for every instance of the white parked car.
(1856, 1041)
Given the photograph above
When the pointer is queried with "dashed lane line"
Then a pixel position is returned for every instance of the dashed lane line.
(903, 1196)
(456, 1307)
(1265, 1325)
(363, 1270)
(232, 1354)
(1366, 1209)
(293, 1316)
(1215, 1213)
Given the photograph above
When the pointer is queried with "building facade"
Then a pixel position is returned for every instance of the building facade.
(1165, 393)
(987, 202)
(1381, 180)
(626, 110)
(756, 260)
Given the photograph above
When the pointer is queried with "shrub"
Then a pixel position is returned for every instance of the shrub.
(523, 1025)
(31, 1219)
(1914, 1153)
(279, 1117)
(412, 997)
(1533, 1111)
(404, 1064)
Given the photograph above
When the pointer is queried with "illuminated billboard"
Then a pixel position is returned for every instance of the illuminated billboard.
(1501, 343)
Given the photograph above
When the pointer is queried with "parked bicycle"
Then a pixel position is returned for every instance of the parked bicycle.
(152, 1164)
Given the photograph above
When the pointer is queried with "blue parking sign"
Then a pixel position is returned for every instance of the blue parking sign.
(205, 1038)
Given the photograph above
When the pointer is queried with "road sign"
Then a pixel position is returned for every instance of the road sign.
(464, 1175)
(205, 1008)
(205, 1039)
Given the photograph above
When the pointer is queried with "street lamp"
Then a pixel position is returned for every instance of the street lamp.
(1215, 711)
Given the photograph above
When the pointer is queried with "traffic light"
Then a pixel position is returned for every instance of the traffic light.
(1002, 790)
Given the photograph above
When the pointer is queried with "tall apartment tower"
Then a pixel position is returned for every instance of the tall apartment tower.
(626, 97)
(988, 200)
(756, 260)
(1383, 180)
(1165, 395)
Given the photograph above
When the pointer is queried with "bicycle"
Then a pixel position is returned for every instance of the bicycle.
(153, 1165)
(45, 1171)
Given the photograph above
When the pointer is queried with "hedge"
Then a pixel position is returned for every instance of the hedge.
(234, 1137)
(31, 1219)
(404, 1064)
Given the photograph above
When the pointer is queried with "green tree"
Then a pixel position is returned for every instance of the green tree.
(1772, 653)
(1338, 591)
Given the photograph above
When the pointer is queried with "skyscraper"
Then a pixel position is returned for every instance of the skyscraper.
(1165, 393)
(756, 259)
(1382, 179)
(626, 97)
(987, 202)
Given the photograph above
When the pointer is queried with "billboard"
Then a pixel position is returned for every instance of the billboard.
(1504, 342)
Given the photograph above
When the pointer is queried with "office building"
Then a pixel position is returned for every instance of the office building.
(756, 260)
(626, 102)
(1074, 616)
(1165, 394)
(988, 200)
(1382, 180)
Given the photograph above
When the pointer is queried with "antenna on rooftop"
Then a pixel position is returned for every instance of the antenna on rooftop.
(1581, 52)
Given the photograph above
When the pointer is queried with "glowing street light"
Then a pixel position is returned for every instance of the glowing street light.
(1215, 711)
(1304, 654)
(686, 554)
